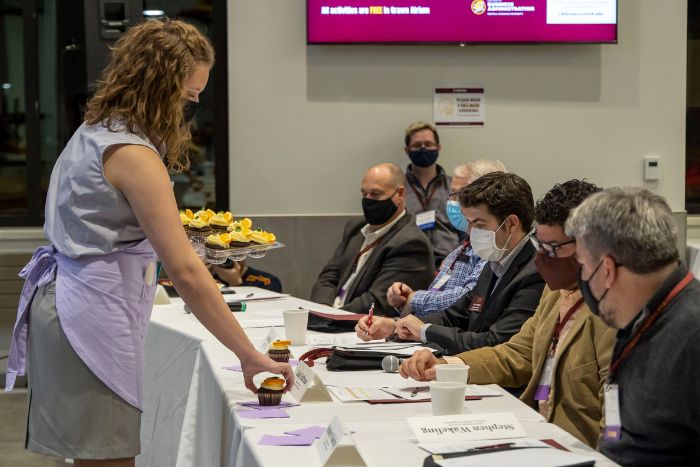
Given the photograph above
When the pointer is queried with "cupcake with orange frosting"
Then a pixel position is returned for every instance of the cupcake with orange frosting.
(198, 229)
(279, 351)
(220, 221)
(259, 238)
(270, 391)
(186, 217)
(239, 236)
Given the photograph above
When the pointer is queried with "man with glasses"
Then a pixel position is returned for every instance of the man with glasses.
(428, 187)
(461, 269)
(499, 208)
(384, 247)
(562, 353)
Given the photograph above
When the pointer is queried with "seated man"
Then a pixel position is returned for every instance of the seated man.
(462, 267)
(238, 273)
(384, 247)
(563, 352)
(631, 276)
(499, 209)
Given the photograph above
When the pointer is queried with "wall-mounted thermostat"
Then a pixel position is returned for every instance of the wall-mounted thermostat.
(652, 168)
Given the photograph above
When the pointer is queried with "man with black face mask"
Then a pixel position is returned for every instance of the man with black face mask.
(632, 277)
(562, 353)
(428, 188)
(385, 247)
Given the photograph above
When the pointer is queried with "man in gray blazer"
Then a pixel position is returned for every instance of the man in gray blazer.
(383, 248)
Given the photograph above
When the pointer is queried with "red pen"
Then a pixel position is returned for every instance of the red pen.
(369, 320)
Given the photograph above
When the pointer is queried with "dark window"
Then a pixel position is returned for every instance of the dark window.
(50, 53)
(692, 134)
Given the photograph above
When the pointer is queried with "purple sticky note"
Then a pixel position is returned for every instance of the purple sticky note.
(310, 432)
(269, 440)
(256, 405)
(275, 413)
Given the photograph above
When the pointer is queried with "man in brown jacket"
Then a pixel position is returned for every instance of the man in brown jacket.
(563, 352)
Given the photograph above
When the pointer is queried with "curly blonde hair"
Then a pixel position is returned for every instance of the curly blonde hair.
(142, 86)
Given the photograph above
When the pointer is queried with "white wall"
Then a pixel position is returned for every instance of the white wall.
(307, 120)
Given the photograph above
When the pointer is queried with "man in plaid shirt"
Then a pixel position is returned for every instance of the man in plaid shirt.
(461, 268)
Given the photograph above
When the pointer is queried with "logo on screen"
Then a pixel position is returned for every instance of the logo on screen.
(479, 7)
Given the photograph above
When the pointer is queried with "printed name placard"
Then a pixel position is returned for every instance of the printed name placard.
(264, 346)
(308, 386)
(466, 427)
(329, 450)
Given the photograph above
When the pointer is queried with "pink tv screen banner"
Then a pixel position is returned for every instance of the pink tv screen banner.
(457, 21)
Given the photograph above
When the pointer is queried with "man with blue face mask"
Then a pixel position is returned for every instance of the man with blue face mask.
(499, 207)
(428, 188)
(461, 269)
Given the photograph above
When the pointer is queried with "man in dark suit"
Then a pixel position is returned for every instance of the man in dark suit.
(383, 248)
(499, 208)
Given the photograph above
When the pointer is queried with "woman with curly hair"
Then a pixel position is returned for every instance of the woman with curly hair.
(110, 213)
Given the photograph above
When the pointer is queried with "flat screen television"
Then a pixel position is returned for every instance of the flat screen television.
(461, 21)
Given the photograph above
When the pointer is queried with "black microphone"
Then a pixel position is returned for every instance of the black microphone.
(391, 363)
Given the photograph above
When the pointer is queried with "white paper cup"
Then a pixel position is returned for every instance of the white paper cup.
(295, 322)
(447, 398)
(452, 373)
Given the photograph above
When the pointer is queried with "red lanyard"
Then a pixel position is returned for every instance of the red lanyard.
(365, 250)
(423, 201)
(648, 322)
(561, 323)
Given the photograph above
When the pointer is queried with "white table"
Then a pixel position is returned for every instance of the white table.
(190, 403)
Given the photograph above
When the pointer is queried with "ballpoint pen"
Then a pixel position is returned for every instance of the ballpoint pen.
(369, 320)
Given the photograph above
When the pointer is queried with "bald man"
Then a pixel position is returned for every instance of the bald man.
(383, 248)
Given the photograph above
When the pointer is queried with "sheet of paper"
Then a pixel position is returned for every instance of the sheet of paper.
(252, 296)
(466, 427)
(261, 323)
(256, 414)
(462, 446)
(312, 431)
(329, 340)
(355, 393)
(541, 457)
(401, 350)
(481, 391)
(269, 440)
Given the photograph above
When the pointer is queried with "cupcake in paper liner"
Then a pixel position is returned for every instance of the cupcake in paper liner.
(279, 351)
(270, 391)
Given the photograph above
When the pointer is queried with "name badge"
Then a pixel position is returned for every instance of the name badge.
(426, 220)
(613, 424)
(441, 282)
(477, 304)
(544, 384)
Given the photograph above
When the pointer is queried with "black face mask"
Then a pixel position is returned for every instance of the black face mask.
(588, 297)
(378, 212)
(423, 157)
(189, 110)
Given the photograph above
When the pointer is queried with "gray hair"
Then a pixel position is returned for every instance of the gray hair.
(475, 169)
(632, 225)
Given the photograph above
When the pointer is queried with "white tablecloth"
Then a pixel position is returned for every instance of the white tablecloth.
(190, 405)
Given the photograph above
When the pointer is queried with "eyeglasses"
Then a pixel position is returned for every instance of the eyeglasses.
(427, 145)
(549, 249)
(454, 196)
